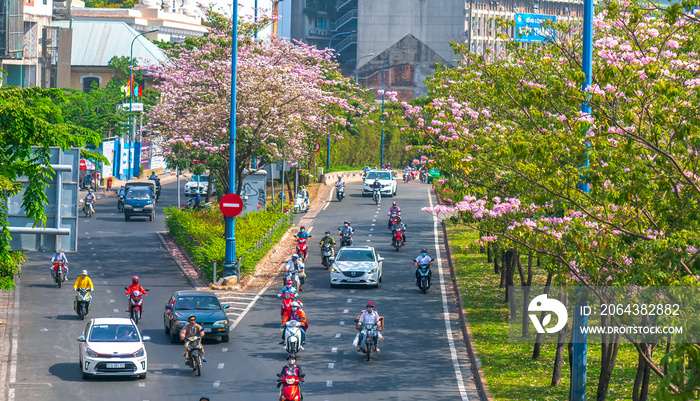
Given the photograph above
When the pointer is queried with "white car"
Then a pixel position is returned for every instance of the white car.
(356, 265)
(385, 177)
(113, 346)
(197, 185)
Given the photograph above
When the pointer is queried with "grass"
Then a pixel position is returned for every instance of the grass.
(511, 373)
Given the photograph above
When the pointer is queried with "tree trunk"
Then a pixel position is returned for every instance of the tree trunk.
(640, 390)
(289, 189)
(538, 339)
(559, 356)
(609, 347)
(526, 293)
(510, 283)
(504, 269)
(496, 261)
(488, 254)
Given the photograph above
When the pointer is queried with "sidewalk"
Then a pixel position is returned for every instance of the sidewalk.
(6, 316)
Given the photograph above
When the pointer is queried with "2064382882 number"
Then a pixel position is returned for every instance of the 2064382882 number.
(639, 309)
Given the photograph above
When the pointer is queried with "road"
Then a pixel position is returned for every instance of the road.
(418, 359)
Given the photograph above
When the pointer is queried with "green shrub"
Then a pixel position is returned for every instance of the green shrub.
(201, 234)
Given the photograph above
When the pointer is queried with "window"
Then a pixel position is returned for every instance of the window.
(322, 23)
(90, 83)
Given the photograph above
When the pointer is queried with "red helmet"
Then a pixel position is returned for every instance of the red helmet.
(369, 304)
(288, 282)
(135, 279)
(394, 203)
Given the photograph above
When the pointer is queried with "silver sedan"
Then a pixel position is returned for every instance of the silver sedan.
(358, 265)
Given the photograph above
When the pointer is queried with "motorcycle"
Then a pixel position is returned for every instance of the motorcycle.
(327, 252)
(377, 195)
(88, 208)
(81, 305)
(58, 271)
(397, 240)
(340, 193)
(191, 204)
(406, 177)
(367, 334)
(423, 177)
(300, 204)
(292, 337)
(424, 277)
(294, 276)
(302, 248)
(287, 300)
(135, 304)
(120, 203)
(394, 218)
(345, 239)
(195, 349)
(290, 388)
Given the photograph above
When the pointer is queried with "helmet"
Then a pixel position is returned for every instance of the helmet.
(295, 305)
(395, 203)
(295, 256)
(302, 187)
(135, 279)
(84, 273)
(340, 177)
(369, 305)
(191, 316)
(328, 233)
(288, 283)
(302, 228)
(291, 356)
(346, 222)
(423, 250)
(204, 397)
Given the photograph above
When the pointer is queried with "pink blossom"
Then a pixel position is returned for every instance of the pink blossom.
(672, 44)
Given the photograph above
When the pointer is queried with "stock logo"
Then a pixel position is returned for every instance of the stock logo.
(542, 304)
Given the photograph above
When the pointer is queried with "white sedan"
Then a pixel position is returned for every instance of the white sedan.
(385, 177)
(356, 265)
(112, 346)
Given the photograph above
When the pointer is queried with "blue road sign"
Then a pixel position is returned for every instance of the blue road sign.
(528, 27)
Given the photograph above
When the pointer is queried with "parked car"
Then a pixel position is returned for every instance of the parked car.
(356, 265)
(204, 305)
(386, 177)
(112, 346)
(139, 201)
(197, 184)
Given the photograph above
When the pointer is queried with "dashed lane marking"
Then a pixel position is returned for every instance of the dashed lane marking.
(342, 322)
(108, 291)
(329, 383)
(220, 366)
(337, 335)
(331, 365)
(104, 282)
(217, 383)
(334, 349)
(224, 349)
(115, 310)
(346, 310)
(94, 254)
(111, 301)
(352, 291)
(349, 300)
(142, 384)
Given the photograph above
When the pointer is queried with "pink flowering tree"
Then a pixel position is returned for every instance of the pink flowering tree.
(509, 132)
(288, 95)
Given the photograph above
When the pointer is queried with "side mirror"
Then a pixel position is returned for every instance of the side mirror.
(146, 339)
(126, 288)
(168, 307)
(226, 306)
(380, 259)
(81, 338)
(147, 289)
(331, 258)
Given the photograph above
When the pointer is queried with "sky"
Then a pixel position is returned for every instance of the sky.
(245, 9)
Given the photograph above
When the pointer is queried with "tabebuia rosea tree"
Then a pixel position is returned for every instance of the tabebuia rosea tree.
(609, 198)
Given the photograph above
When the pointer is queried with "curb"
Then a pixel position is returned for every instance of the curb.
(477, 371)
(191, 280)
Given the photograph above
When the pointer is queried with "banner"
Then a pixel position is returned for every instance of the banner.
(528, 27)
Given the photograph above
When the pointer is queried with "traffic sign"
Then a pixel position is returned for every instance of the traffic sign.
(317, 147)
(231, 205)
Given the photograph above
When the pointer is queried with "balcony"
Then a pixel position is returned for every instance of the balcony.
(347, 42)
(349, 18)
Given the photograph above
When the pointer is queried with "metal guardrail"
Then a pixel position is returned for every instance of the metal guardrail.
(346, 18)
(350, 40)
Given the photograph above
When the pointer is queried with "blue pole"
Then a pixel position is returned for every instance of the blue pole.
(580, 338)
(381, 162)
(230, 255)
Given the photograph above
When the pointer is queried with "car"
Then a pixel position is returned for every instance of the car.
(359, 265)
(433, 174)
(206, 308)
(386, 177)
(112, 346)
(197, 184)
(139, 201)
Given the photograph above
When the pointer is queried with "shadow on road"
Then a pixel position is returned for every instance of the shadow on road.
(63, 317)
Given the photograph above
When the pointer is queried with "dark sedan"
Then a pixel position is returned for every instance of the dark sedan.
(204, 305)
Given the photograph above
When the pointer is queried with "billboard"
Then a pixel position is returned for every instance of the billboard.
(528, 27)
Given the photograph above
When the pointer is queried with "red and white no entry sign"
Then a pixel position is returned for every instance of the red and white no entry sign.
(231, 205)
(317, 147)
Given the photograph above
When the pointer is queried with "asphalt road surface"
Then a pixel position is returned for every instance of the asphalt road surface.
(420, 360)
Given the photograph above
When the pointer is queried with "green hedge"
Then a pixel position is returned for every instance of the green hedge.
(201, 234)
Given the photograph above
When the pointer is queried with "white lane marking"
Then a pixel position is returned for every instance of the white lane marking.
(352, 291)
(346, 310)
(104, 281)
(90, 243)
(115, 310)
(94, 254)
(349, 300)
(329, 383)
(176, 366)
(331, 365)
(371, 229)
(446, 311)
(220, 366)
(15, 343)
(87, 233)
(342, 322)
(216, 383)
(373, 224)
(224, 349)
(368, 240)
(369, 235)
(245, 311)
(108, 291)
(92, 247)
(337, 335)
(111, 301)
(99, 267)
(102, 274)
(330, 199)
(309, 230)
(334, 349)
(142, 384)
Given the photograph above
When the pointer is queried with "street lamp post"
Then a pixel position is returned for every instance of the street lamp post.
(230, 262)
(131, 100)
(328, 144)
(381, 162)
(358, 63)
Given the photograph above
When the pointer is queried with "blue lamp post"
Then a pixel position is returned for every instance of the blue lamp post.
(358, 63)
(381, 163)
(230, 262)
(328, 145)
(130, 169)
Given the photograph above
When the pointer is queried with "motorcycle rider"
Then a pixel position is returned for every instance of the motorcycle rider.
(83, 282)
(292, 369)
(394, 209)
(327, 239)
(191, 329)
(294, 265)
(346, 229)
(340, 183)
(423, 259)
(302, 233)
(368, 316)
(296, 314)
(287, 289)
(90, 200)
(407, 171)
(376, 185)
(135, 286)
(197, 201)
(399, 225)
(59, 257)
(305, 193)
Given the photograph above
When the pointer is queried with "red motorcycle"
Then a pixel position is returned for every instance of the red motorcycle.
(290, 388)
(397, 240)
(135, 304)
(302, 248)
(59, 272)
(287, 300)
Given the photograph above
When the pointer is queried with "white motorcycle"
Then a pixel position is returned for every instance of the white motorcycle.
(294, 276)
(81, 305)
(377, 195)
(300, 204)
(292, 337)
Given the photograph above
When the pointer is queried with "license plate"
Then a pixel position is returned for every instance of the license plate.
(116, 366)
(353, 280)
(207, 330)
(137, 209)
